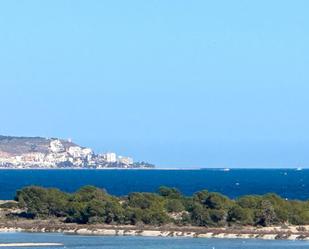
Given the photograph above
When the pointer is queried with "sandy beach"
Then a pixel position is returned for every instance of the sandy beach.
(267, 233)
(29, 244)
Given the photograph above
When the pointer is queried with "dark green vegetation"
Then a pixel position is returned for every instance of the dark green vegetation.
(143, 165)
(93, 205)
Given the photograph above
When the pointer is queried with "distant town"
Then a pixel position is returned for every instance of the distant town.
(40, 153)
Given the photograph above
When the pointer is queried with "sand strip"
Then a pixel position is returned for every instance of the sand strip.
(29, 244)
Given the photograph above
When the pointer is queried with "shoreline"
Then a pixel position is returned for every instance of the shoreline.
(51, 226)
(29, 244)
(157, 168)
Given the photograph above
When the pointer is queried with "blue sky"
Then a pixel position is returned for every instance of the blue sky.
(176, 83)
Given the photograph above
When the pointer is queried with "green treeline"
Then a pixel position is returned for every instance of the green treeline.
(92, 205)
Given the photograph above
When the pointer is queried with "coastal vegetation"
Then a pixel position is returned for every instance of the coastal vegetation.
(91, 205)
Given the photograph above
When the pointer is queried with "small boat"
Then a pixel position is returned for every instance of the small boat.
(226, 169)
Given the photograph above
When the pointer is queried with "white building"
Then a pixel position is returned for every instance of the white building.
(78, 152)
(125, 160)
(75, 151)
(56, 146)
(110, 157)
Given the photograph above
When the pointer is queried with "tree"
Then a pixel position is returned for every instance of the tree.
(93, 205)
(200, 216)
(240, 215)
(249, 201)
(154, 217)
(266, 215)
(171, 193)
(174, 205)
(42, 202)
(201, 196)
(145, 200)
(218, 217)
(217, 201)
(88, 193)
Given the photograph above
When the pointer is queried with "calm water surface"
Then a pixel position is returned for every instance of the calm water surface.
(290, 184)
(98, 242)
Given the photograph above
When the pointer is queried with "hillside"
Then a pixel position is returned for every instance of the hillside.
(15, 146)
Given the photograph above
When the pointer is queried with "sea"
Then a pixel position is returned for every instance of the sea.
(123, 242)
(288, 183)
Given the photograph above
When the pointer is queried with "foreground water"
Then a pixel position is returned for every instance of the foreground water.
(112, 242)
(290, 183)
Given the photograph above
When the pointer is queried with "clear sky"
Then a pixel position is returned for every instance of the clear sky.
(176, 83)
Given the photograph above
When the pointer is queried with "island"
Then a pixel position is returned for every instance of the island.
(54, 153)
(167, 212)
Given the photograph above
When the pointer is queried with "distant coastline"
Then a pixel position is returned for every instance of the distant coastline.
(55, 153)
(156, 168)
(110, 168)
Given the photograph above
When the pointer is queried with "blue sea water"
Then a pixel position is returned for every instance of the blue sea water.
(236, 182)
(114, 242)
(289, 183)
